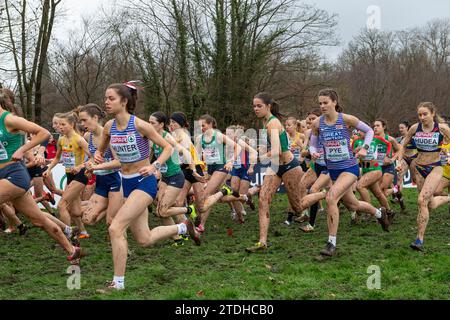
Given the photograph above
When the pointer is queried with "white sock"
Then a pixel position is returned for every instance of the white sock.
(245, 197)
(84, 233)
(182, 228)
(68, 231)
(119, 282)
(332, 240)
(379, 214)
(244, 213)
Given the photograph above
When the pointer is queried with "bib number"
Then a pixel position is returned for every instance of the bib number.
(212, 155)
(336, 150)
(68, 160)
(3, 153)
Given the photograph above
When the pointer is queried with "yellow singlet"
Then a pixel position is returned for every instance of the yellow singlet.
(445, 149)
(72, 154)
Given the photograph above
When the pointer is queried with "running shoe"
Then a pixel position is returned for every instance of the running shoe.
(233, 215)
(76, 256)
(401, 200)
(303, 218)
(307, 228)
(110, 287)
(178, 243)
(329, 251)
(417, 245)
(391, 215)
(259, 247)
(193, 214)
(250, 202)
(184, 237)
(23, 228)
(384, 220)
(226, 190)
(193, 234)
(289, 219)
(73, 237)
(287, 223)
(200, 229)
(84, 235)
(354, 218)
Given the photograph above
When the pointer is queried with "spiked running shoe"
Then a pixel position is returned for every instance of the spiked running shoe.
(193, 234)
(109, 288)
(84, 235)
(193, 214)
(384, 220)
(73, 237)
(76, 256)
(354, 218)
(200, 229)
(417, 245)
(226, 190)
(307, 228)
(250, 202)
(329, 251)
(303, 218)
(259, 247)
(23, 228)
(391, 214)
(178, 243)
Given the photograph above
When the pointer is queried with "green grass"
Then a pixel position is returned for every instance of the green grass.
(31, 268)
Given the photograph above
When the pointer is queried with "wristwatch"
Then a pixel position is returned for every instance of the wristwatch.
(157, 165)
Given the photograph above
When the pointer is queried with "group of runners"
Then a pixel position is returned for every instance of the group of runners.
(122, 169)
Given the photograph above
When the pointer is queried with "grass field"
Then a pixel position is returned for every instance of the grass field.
(31, 268)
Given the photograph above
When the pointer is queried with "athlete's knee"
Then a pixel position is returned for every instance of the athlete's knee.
(423, 200)
(331, 198)
(162, 212)
(115, 230)
(264, 202)
(63, 204)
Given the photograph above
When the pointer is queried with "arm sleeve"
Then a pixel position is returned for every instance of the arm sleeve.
(313, 143)
(368, 132)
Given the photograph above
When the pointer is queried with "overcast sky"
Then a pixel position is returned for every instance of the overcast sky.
(353, 15)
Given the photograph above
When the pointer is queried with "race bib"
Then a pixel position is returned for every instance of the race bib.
(336, 150)
(3, 153)
(163, 168)
(372, 153)
(238, 163)
(427, 141)
(126, 148)
(68, 159)
(296, 152)
(212, 155)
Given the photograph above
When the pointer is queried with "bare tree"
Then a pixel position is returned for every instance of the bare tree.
(30, 26)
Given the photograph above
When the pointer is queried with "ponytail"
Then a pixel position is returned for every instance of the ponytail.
(274, 106)
(93, 110)
(161, 117)
(333, 95)
(126, 92)
(430, 106)
(209, 120)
